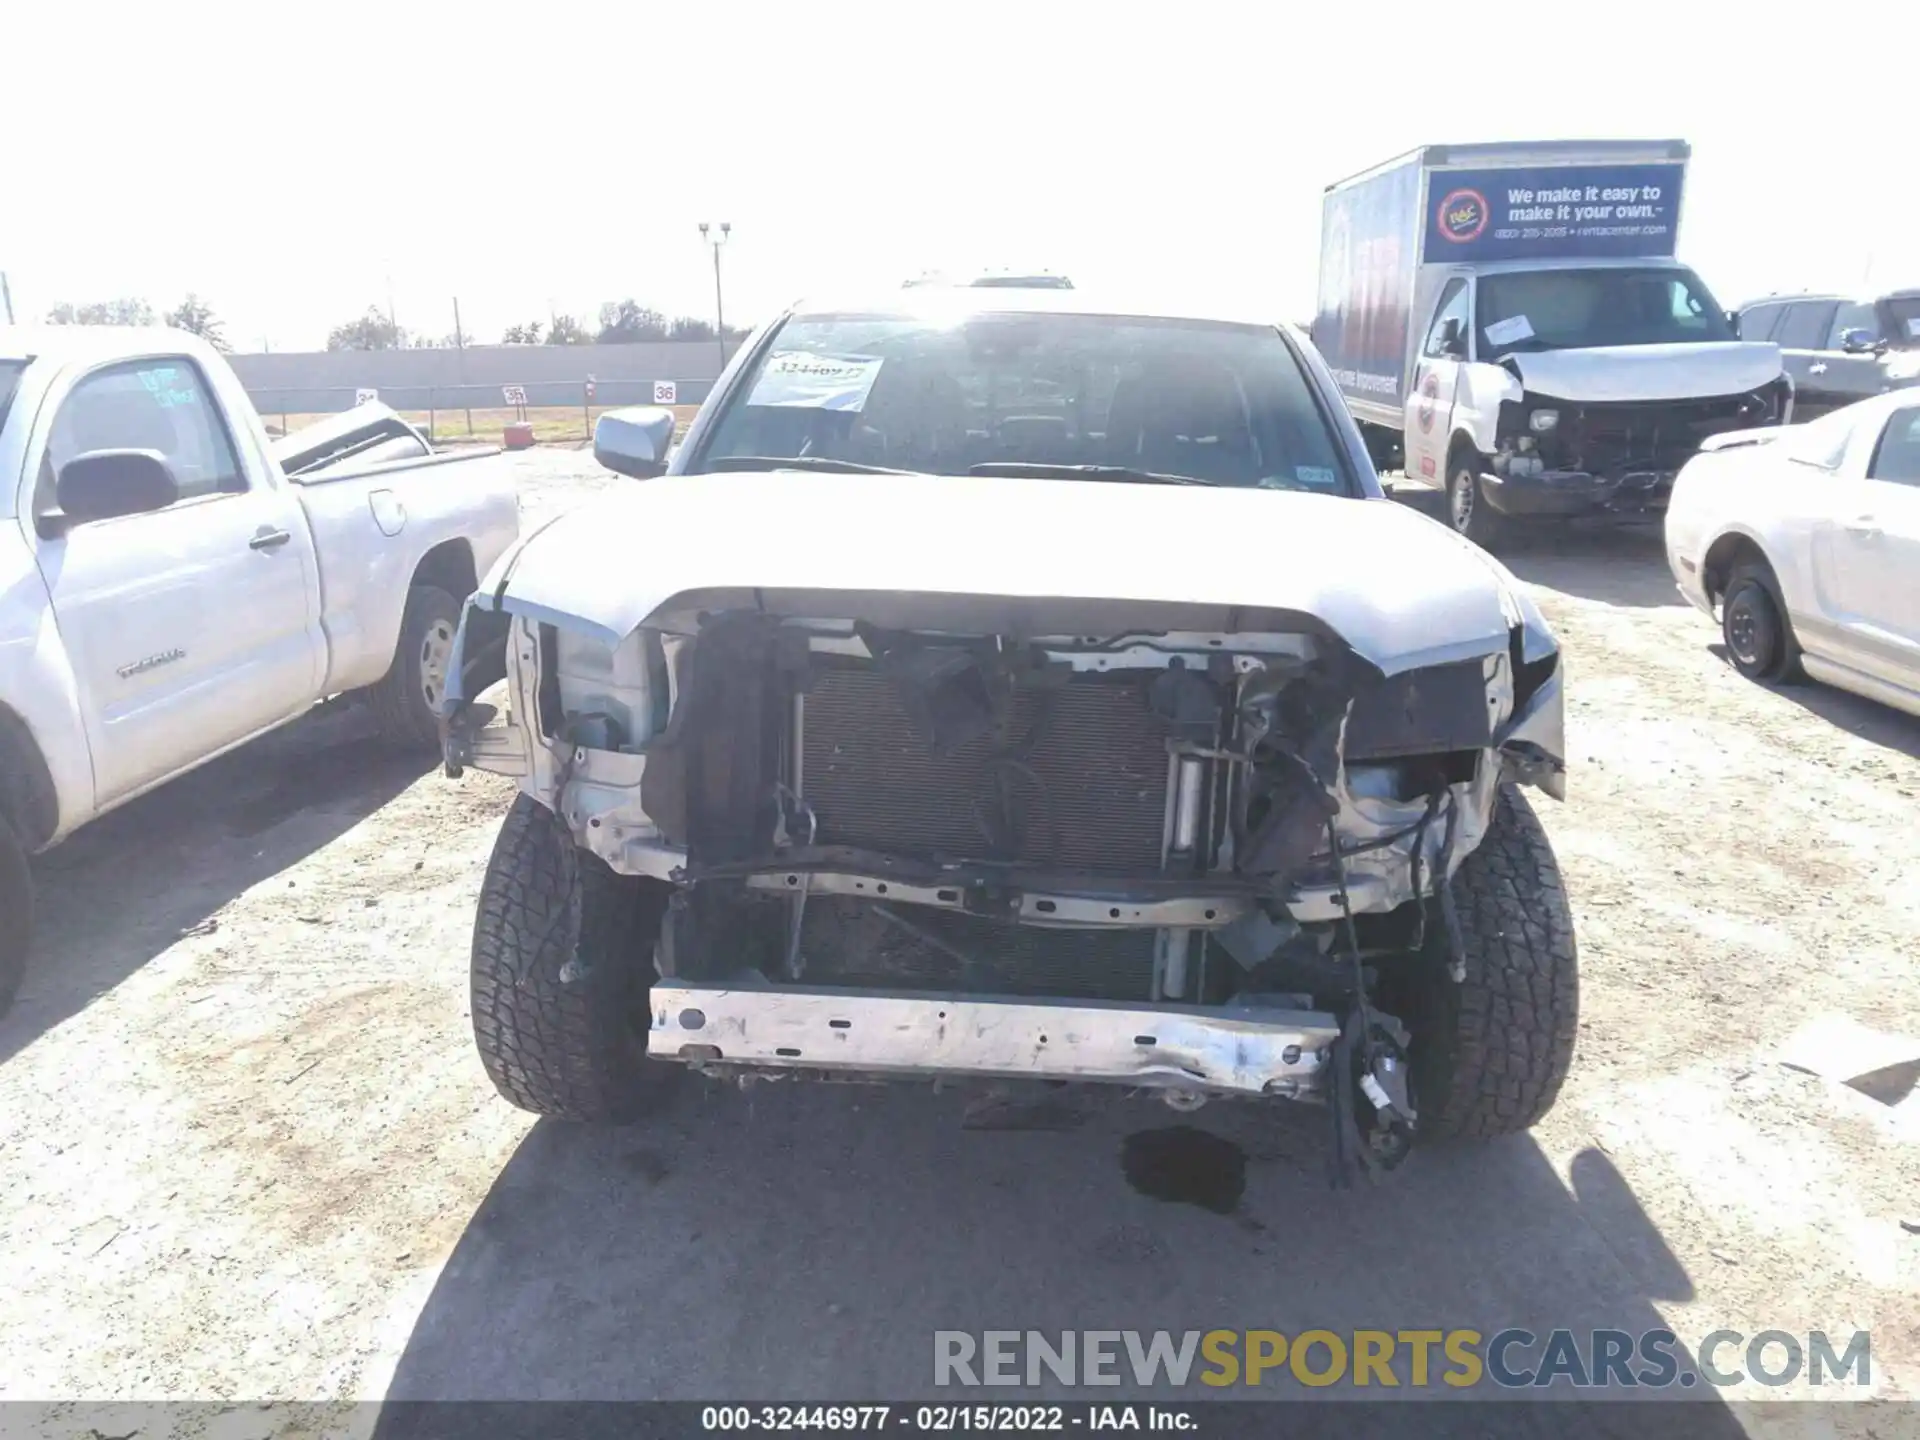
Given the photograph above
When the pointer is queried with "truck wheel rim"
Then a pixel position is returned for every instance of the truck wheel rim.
(435, 648)
(1462, 501)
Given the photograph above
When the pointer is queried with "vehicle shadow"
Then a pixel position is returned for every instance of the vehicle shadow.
(125, 888)
(1615, 565)
(807, 1242)
(1871, 721)
(1623, 567)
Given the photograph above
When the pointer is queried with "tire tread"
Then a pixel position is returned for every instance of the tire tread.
(16, 914)
(563, 1048)
(1515, 1016)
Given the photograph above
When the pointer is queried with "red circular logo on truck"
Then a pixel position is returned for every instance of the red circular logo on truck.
(1429, 397)
(1463, 215)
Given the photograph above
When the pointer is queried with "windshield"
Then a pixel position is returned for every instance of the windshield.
(10, 372)
(1904, 311)
(1581, 309)
(1222, 404)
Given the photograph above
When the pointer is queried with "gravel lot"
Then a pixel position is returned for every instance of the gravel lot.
(250, 1154)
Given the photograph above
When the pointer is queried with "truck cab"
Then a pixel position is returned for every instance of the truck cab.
(1574, 388)
(1839, 349)
(1509, 322)
(173, 582)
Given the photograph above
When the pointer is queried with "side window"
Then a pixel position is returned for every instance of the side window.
(1897, 456)
(1806, 325)
(1454, 307)
(1852, 317)
(1757, 321)
(158, 405)
(1685, 309)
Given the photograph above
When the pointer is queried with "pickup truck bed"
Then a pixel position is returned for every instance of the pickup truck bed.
(168, 590)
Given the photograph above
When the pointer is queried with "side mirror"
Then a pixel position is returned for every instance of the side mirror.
(1859, 341)
(1452, 343)
(104, 484)
(634, 441)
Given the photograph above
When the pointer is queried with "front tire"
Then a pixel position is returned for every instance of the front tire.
(1467, 508)
(1490, 1052)
(561, 970)
(406, 704)
(16, 915)
(1754, 625)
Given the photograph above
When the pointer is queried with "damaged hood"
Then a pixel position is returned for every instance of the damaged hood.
(1402, 590)
(1648, 372)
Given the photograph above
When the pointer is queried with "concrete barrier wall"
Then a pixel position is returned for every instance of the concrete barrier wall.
(326, 381)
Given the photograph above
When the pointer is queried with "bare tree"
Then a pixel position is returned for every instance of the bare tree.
(626, 322)
(372, 331)
(124, 311)
(196, 317)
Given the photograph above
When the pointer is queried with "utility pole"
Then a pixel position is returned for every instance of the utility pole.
(460, 363)
(6, 294)
(719, 310)
(392, 324)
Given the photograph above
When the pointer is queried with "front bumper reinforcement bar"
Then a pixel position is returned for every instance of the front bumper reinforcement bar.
(1247, 1050)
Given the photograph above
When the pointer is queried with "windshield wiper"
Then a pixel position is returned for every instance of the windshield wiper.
(799, 462)
(1124, 474)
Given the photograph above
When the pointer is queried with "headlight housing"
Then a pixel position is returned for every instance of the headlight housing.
(1541, 421)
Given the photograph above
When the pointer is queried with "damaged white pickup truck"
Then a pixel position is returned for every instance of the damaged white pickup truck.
(995, 686)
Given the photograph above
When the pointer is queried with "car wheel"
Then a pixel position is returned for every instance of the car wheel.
(561, 971)
(1467, 508)
(1491, 1050)
(16, 914)
(1753, 623)
(407, 702)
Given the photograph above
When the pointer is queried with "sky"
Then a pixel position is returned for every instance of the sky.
(294, 165)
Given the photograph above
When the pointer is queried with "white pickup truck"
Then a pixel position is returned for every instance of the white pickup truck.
(173, 582)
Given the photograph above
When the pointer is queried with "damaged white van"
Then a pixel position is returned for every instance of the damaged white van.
(995, 686)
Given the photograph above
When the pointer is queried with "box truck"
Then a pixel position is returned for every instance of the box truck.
(1508, 322)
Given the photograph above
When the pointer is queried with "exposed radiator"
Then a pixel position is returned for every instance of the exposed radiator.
(1089, 794)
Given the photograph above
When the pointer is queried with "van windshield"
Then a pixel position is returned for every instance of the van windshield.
(1581, 309)
(1113, 397)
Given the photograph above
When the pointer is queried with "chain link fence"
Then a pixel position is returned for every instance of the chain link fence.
(557, 410)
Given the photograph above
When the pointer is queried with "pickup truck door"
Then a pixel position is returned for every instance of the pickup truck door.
(1856, 374)
(1801, 333)
(188, 628)
(1867, 553)
(1436, 377)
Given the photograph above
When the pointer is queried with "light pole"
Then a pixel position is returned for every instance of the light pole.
(719, 310)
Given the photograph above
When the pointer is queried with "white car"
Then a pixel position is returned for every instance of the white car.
(172, 582)
(1805, 541)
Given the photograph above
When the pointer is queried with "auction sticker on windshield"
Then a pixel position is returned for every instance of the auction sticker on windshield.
(804, 380)
(1510, 331)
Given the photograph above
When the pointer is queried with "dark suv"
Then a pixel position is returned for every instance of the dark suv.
(1837, 348)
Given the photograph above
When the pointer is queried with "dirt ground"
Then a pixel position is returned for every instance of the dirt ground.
(250, 1154)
